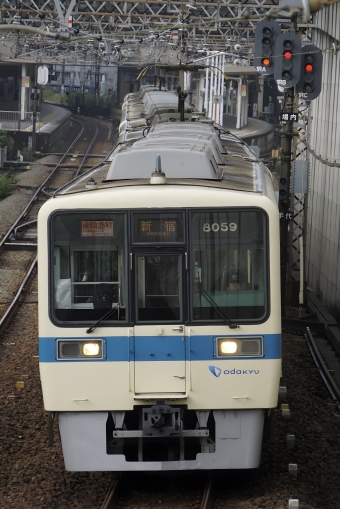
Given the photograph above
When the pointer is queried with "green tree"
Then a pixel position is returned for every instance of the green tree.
(6, 140)
(7, 182)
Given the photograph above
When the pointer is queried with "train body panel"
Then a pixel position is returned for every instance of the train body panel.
(237, 445)
(159, 299)
(127, 382)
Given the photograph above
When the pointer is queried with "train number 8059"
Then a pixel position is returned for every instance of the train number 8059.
(215, 227)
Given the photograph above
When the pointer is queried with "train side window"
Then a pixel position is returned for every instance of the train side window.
(88, 251)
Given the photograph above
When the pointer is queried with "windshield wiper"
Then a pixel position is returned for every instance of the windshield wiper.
(95, 325)
(218, 309)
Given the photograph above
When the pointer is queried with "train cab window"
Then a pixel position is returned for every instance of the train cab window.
(159, 295)
(228, 265)
(89, 271)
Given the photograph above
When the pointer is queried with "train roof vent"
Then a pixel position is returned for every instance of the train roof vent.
(179, 160)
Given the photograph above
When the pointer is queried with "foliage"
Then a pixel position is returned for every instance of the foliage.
(54, 97)
(7, 182)
(26, 153)
(89, 100)
(6, 140)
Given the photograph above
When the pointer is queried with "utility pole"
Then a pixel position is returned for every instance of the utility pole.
(19, 110)
(35, 98)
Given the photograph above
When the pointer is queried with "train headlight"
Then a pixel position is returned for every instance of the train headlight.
(74, 349)
(240, 347)
(228, 347)
(91, 349)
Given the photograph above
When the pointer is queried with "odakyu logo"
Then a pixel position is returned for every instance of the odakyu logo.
(217, 371)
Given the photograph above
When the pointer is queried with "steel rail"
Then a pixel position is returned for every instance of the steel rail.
(89, 147)
(109, 495)
(23, 226)
(206, 500)
(35, 196)
(4, 320)
(333, 389)
(12, 307)
(41, 188)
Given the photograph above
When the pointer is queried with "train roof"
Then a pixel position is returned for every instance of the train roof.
(151, 103)
(191, 154)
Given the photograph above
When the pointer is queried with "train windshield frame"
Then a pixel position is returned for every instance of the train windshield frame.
(180, 266)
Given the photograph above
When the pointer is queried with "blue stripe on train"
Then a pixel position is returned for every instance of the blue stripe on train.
(158, 348)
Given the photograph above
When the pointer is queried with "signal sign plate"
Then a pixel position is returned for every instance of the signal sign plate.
(288, 117)
(42, 77)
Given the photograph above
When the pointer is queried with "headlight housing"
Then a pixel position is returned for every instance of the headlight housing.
(239, 347)
(79, 349)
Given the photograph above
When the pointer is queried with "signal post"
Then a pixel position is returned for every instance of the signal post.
(296, 68)
(284, 184)
(287, 70)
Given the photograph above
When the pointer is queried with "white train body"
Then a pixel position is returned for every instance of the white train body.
(182, 373)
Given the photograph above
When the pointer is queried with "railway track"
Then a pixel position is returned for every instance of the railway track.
(324, 348)
(24, 423)
(28, 216)
(18, 245)
(35, 471)
(109, 497)
(163, 490)
(326, 358)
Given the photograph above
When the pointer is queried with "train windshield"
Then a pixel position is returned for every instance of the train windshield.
(89, 270)
(228, 264)
(223, 250)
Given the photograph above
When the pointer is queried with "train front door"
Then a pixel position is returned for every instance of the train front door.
(159, 330)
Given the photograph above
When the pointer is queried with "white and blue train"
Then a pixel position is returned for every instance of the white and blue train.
(159, 298)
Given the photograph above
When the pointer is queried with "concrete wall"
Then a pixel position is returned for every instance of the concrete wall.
(323, 215)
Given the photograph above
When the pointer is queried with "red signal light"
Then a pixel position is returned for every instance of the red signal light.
(308, 67)
(288, 55)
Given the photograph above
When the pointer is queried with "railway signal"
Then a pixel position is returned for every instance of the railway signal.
(309, 85)
(283, 189)
(287, 64)
(266, 33)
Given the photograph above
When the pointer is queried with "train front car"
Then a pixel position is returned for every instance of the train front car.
(159, 306)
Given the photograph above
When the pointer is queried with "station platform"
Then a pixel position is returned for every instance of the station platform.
(49, 114)
(54, 119)
(51, 121)
(257, 132)
(52, 116)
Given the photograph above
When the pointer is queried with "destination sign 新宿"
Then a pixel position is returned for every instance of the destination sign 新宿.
(159, 228)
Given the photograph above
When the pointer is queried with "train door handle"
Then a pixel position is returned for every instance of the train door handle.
(178, 376)
(180, 329)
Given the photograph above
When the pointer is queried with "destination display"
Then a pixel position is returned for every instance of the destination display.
(158, 228)
(96, 228)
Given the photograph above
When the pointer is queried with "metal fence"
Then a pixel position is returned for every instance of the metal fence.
(16, 121)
